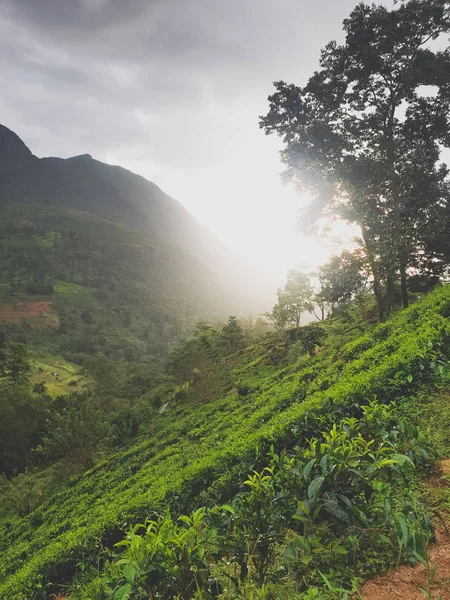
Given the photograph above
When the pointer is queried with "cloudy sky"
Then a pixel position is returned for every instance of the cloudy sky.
(171, 89)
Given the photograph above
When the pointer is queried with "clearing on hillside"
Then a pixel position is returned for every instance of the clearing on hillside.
(58, 375)
(38, 313)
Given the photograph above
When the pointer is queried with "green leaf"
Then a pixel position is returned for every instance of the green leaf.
(409, 378)
(402, 529)
(315, 486)
(402, 459)
(308, 468)
(345, 500)
(303, 508)
(361, 516)
(333, 509)
(129, 573)
(123, 593)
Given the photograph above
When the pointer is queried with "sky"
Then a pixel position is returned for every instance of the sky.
(172, 90)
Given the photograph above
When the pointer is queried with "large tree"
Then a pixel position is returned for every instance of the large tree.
(364, 141)
(296, 298)
(344, 277)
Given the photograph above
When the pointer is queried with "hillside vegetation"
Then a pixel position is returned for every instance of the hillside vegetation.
(198, 455)
(111, 289)
(154, 447)
(85, 184)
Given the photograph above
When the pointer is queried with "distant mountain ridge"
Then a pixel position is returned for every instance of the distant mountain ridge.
(112, 192)
(83, 183)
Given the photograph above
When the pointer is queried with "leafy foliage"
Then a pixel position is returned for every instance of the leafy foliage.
(322, 509)
(199, 457)
(364, 142)
(295, 299)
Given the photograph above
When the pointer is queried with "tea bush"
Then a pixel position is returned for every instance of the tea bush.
(199, 456)
(317, 518)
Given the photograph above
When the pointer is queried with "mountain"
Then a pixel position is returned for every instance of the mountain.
(112, 192)
(85, 184)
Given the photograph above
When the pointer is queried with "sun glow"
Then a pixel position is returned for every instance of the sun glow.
(244, 203)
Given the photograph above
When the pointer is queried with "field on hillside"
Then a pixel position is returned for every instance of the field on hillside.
(58, 375)
(195, 456)
(37, 313)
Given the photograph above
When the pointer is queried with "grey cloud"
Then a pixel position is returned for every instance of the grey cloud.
(155, 77)
(75, 18)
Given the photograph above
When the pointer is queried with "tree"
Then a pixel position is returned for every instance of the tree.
(295, 299)
(363, 140)
(22, 493)
(16, 363)
(260, 329)
(104, 372)
(22, 423)
(75, 431)
(232, 336)
(344, 277)
(311, 336)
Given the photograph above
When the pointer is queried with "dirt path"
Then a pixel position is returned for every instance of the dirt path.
(403, 583)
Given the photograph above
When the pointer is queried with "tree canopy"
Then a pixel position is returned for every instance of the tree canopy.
(296, 298)
(363, 137)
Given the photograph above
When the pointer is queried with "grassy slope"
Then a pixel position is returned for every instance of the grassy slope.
(70, 376)
(199, 453)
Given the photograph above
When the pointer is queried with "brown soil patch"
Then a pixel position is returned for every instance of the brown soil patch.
(403, 583)
(445, 466)
(39, 313)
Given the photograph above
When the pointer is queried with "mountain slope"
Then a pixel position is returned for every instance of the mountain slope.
(112, 192)
(112, 289)
(193, 456)
(83, 183)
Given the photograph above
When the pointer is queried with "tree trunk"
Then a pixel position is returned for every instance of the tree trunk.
(374, 268)
(390, 288)
(379, 298)
(399, 225)
(405, 298)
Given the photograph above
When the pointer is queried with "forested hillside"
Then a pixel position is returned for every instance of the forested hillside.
(113, 289)
(85, 184)
(92, 308)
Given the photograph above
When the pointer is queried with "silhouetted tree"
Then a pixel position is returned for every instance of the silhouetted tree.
(344, 277)
(364, 141)
(294, 299)
(232, 336)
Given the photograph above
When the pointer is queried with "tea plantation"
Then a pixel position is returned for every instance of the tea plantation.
(197, 455)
